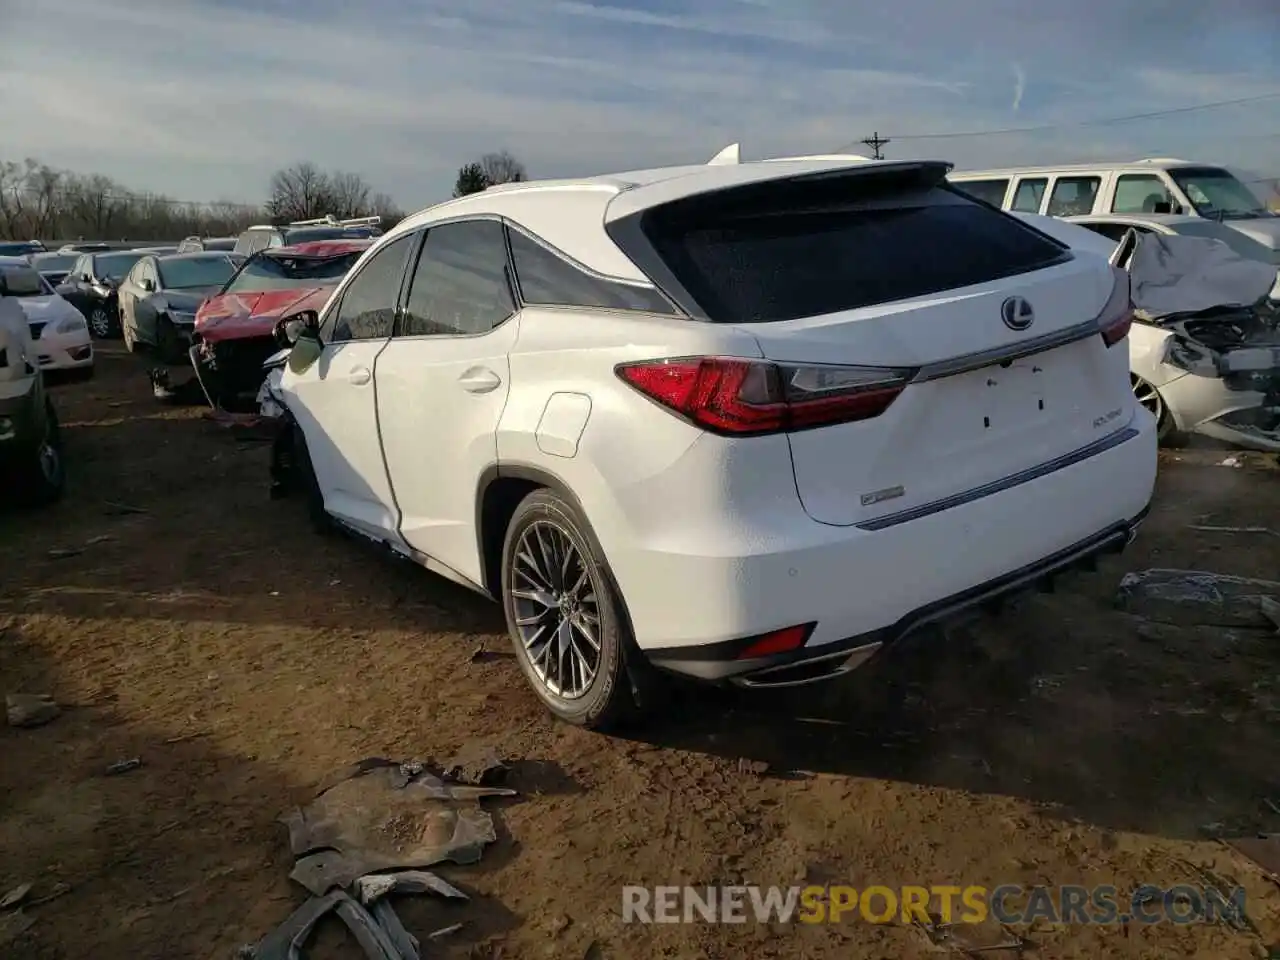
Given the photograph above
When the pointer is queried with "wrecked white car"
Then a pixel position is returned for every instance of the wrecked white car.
(1204, 352)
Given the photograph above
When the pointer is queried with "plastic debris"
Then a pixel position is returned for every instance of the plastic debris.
(123, 766)
(15, 896)
(377, 816)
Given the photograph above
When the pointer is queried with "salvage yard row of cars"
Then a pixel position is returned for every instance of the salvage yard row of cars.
(700, 420)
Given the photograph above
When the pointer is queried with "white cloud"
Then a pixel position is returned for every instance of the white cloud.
(1019, 87)
(204, 100)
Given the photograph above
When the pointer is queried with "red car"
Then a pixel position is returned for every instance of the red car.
(234, 329)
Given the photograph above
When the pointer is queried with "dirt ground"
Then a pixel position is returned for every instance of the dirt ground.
(241, 658)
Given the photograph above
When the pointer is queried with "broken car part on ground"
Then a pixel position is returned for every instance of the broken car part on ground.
(366, 837)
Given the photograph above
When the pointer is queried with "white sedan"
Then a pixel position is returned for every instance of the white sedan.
(1201, 358)
(61, 336)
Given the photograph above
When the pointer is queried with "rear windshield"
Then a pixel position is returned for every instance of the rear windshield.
(113, 266)
(765, 260)
(21, 280)
(54, 262)
(193, 272)
(274, 272)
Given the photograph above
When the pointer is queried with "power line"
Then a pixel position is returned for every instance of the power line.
(1103, 121)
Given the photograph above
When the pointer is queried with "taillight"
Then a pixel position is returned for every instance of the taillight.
(1117, 316)
(740, 397)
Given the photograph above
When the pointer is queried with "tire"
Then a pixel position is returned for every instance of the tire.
(43, 479)
(130, 344)
(598, 699)
(320, 520)
(101, 324)
(169, 343)
(1167, 433)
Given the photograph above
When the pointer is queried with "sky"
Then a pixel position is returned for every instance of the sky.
(203, 99)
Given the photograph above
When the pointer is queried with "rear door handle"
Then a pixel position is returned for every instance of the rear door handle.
(359, 376)
(480, 380)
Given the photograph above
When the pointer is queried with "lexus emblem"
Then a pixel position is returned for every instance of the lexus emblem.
(1017, 313)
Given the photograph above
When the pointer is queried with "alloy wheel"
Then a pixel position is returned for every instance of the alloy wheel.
(100, 322)
(50, 462)
(1149, 397)
(557, 612)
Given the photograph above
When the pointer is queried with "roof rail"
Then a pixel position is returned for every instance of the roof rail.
(329, 220)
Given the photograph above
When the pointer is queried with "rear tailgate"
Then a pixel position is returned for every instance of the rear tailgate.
(984, 331)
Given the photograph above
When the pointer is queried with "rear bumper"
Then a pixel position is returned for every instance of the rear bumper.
(719, 661)
(695, 613)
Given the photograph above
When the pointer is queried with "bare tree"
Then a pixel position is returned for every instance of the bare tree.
(386, 208)
(300, 192)
(38, 202)
(502, 167)
(350, 194)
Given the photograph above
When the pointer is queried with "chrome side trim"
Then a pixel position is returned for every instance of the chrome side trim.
(1010, 352)
(998, 486)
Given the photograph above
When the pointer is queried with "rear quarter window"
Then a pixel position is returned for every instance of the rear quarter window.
(765, 261)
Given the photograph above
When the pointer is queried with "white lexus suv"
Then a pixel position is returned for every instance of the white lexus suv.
(745, 422)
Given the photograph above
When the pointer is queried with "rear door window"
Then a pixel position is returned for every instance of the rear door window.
(459, 287)
(775, 259)
(1030, 194)
(1073, 196)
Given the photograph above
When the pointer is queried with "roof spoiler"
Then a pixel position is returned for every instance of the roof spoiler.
(329, 220)
(731, 155)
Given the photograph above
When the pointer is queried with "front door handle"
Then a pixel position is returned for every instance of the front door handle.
(480, 380)
(359, 376)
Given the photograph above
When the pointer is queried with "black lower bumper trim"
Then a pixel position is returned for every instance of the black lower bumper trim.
(717, 661)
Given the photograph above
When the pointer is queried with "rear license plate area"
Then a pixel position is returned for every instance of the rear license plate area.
(1011, 396)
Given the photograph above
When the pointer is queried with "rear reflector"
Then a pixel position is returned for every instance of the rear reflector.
(1117, 316)
(741, 397)
(779, 641)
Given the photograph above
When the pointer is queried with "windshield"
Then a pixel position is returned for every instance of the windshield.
(113, 266)
(271, 272)
(307, 234)
(186, 273)
(1215, 193)
(24, 281)
(54, 262)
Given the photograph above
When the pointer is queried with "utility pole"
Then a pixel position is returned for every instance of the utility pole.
(875, 143)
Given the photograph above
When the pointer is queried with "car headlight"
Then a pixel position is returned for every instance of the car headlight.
(69, 324)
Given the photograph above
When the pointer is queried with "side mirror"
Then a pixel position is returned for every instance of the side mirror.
(147, 284)
(297, 326)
